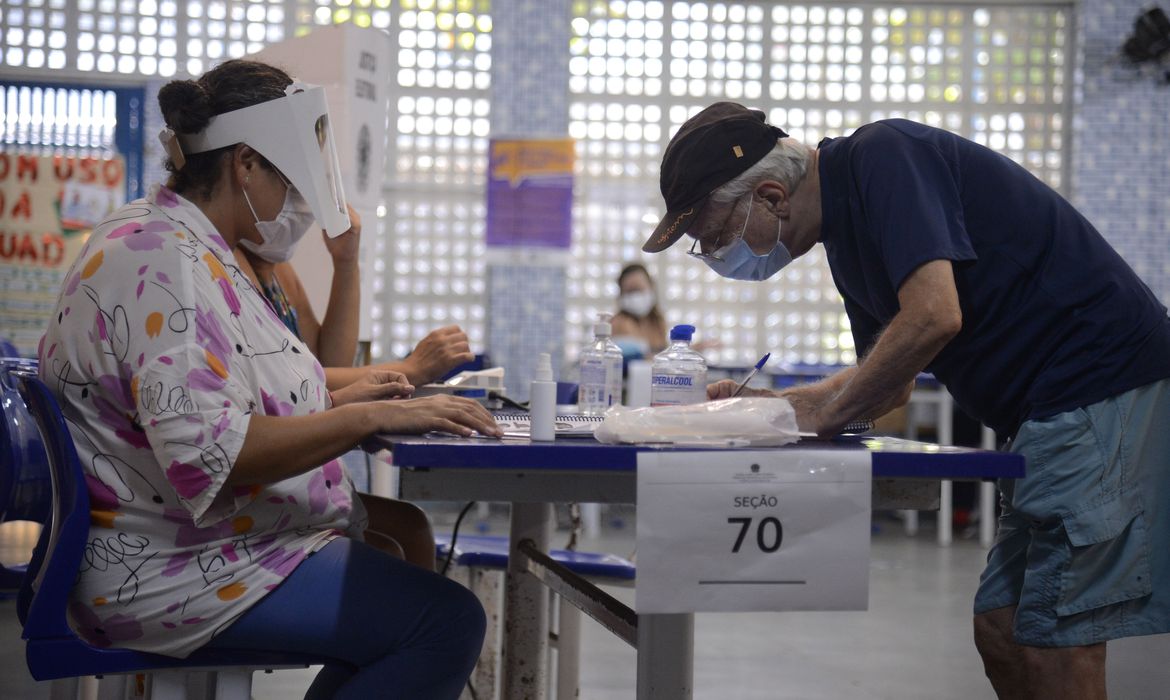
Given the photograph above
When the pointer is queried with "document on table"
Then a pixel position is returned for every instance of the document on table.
(566, 425)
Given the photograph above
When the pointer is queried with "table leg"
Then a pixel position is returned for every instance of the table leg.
(666, 657)
(525, 648)
(946, 513)
(987, 495)
(946, 436)
(568, 650)
(910, 517)
(591, 520)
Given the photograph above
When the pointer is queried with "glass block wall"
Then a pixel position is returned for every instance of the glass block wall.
(1122, 168)
(58, 117)
(430, 239)
(996, 74)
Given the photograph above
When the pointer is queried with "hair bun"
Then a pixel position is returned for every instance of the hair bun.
(185, 106)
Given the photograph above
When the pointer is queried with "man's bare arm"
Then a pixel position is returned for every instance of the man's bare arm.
(927, 320)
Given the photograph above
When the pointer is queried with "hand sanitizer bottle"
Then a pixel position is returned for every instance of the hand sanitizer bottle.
(679, 374)
(542, 401)
(601, 371)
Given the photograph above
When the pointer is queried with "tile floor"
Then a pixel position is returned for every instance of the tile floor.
(913, 643)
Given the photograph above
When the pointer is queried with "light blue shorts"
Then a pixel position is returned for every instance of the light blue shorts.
(1083, 548)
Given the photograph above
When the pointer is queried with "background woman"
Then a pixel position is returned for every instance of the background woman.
(639, 321)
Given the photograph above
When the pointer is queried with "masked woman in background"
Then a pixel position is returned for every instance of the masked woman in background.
(220, 514)
(638, 326)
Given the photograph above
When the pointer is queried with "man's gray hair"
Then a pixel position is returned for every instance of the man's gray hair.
(787, 163)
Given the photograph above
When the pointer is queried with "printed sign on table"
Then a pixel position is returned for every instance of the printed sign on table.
(530, 193)
(753, 531)
(48, 203)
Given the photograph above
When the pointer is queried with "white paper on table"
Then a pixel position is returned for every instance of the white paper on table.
(810, 507)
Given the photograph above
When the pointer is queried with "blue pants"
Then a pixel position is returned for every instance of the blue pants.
(401, 632)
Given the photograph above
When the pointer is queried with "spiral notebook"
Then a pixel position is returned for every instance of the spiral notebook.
(567, 425)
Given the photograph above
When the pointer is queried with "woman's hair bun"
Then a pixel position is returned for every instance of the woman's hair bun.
(185, 105)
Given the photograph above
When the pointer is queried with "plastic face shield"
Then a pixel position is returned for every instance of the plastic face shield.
(294, 133)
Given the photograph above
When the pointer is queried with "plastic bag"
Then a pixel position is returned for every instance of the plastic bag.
(744, 421)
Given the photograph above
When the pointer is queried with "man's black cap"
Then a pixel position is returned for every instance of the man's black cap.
(711, 149)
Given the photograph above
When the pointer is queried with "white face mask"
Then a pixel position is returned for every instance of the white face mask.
(638, 303)
(280, 236)
(737, 261)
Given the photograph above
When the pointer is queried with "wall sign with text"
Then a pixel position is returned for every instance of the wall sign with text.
(530, 193)
(48, 204)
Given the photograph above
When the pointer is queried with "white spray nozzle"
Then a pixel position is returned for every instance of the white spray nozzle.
(603, 327)
(544, 368)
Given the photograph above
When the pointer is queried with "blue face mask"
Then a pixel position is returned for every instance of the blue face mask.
(737, 261)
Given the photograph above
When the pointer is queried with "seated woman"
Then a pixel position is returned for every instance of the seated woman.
(220, 516)
(639, 326)
(400, 527)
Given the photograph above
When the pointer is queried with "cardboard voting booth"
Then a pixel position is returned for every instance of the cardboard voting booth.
(352, 64)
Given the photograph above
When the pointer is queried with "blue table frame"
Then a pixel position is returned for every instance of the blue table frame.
(533, 476)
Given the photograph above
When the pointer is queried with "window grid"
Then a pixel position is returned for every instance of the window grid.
(50, 117)
(429, 265)
(996, 74)
(428, 237)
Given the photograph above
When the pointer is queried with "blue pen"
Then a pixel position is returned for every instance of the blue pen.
(744, 383)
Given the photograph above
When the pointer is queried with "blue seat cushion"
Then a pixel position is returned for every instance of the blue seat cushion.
(491, 552)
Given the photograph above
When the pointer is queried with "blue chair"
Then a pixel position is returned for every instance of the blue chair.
(7, 349)
(566, 393)
(25, 488)
(52, 649)
(482, 559)
(477, 363)
(491, 552)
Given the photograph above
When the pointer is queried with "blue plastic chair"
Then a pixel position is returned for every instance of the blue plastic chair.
(566, 393)
(481, 555)
(25, 487)
(53, 650)
(491, 552)
(7, 349)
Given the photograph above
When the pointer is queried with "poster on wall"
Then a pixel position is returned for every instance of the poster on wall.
(530, 193)
(49, 204)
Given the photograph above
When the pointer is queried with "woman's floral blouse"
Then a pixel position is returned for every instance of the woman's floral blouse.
(160, 352)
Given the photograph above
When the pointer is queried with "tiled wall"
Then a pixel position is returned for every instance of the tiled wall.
(530, 74)
(153, 169)
(1121, 166)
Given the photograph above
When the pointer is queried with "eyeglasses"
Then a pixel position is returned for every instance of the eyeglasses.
(712, 257)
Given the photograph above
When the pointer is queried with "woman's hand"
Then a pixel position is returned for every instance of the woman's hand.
(376, 385)
(724, 388)
(442, 350)
(449, 414)
(346, 248)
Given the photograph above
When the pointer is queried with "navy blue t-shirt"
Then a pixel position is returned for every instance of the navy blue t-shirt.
(1053, 318)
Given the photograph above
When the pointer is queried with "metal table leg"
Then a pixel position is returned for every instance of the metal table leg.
(666, 657)
(525, 648)
(946, 436)
(987, 495)
(568, 650)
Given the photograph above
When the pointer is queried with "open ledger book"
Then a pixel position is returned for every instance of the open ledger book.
(566, 425)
